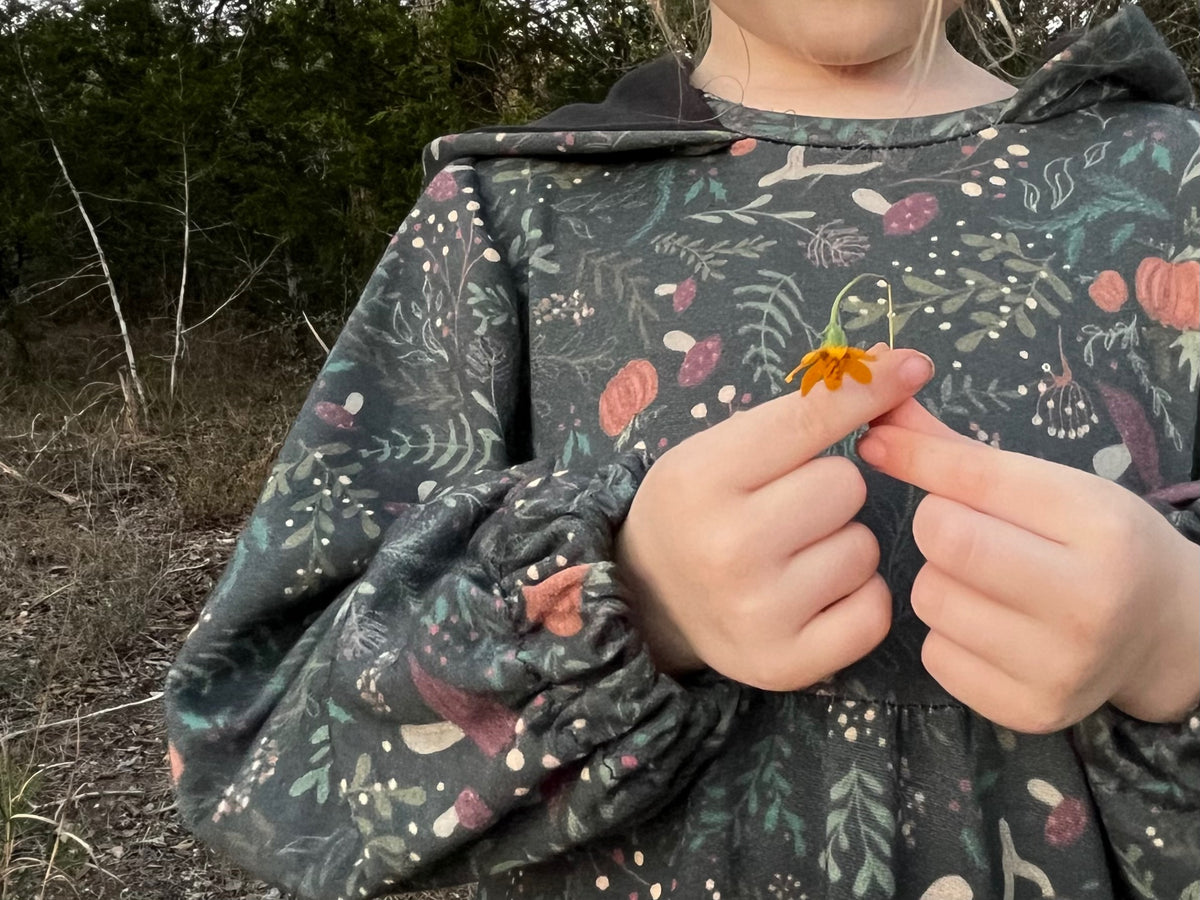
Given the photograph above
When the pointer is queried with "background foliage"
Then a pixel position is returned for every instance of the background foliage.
(295, 127)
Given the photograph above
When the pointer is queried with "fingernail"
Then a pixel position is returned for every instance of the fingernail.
(882, 345)
(916, 370)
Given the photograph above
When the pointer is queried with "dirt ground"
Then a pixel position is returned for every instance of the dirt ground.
(112, 531)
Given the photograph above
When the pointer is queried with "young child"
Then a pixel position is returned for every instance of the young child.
(555, 587)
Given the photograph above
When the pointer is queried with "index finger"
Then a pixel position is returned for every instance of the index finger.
(1041, 496)
(770, 440)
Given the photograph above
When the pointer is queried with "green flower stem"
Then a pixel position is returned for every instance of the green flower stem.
(834, 336)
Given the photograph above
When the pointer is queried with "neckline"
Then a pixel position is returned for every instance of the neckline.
(815, 131)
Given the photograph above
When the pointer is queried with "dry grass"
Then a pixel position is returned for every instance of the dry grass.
(111, 533)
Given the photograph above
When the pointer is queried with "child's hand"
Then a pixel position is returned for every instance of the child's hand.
(1048, 591)
(739, 547)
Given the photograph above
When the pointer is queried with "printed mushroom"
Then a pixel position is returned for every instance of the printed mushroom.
(906, 216)
(339, 415)
(681, 294)
(700, 357)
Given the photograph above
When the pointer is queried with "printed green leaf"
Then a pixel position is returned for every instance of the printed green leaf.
(1016, 264)
(969, 342)
(1120, 236)
(1132, 153)
(310, 780)
(337, 712)
(298, 537)
(923, 287)
(1024, 325)
(1162, 157)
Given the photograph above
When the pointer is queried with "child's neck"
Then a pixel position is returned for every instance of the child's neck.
(742, 68)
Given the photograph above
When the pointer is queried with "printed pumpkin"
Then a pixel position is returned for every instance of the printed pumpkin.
(627, 393)
(1170, 292)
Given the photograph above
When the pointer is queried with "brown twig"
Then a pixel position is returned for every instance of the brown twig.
(68, 499)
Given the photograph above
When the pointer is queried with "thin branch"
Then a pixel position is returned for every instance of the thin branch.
(57, 495)
(313, 329)
(36, 729)
(242, 287)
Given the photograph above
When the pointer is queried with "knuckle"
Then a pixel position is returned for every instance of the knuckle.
(722, 554)
(803, 417)
(943, 536)
(876, 619)
(924, 595)
(1115, 530)
(846, 478)
(865, 546)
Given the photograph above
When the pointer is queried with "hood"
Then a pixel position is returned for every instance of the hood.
(654, 110)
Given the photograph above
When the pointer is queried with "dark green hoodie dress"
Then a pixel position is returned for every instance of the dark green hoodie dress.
(419, 669)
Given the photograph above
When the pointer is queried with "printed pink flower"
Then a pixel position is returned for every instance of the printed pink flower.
(472, 812)
(1066, 822)
(443, 186)
(487, 723)
(742, 147)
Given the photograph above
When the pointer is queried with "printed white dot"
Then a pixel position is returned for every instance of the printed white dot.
(602, 882)
(945, 326)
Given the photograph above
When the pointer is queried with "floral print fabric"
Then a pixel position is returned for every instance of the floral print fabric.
(418, 668)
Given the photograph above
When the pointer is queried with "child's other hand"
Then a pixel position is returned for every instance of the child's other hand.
(739, 548)
(1048, 591)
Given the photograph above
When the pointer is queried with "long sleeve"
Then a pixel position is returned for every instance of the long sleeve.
(417, 667)
(1145, 777)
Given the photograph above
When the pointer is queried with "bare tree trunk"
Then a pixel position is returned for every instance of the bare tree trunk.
(187, 234)
(112, 287)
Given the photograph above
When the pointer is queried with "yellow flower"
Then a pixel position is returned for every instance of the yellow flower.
(830, 363)
(833, 360)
